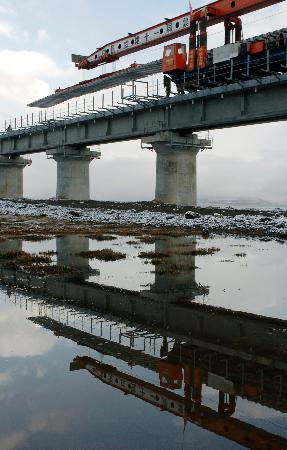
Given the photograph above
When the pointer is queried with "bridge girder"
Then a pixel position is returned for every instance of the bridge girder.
(244, 103)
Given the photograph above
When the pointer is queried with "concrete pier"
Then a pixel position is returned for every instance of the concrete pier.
(176, 175)
(11, 176)
(73, 175)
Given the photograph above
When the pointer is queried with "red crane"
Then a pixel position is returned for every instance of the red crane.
(186, 68)
(227, 11)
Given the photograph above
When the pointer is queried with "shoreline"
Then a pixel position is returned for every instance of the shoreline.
(260, 224)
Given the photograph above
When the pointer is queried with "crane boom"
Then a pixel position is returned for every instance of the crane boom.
(167, 30)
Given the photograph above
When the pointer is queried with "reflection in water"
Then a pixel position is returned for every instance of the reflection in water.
(68, 249)
(191, 351)
(175, 279)
(11, 246)
(186, 365)
(189, 406)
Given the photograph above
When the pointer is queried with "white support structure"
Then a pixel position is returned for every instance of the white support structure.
(176, 174)
(73, 175)
(11, 176)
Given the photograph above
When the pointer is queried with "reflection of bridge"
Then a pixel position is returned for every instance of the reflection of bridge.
(229, 370)
(166, 306)
(167, 124)
(188, 366)
(238, 355)
(246, 352)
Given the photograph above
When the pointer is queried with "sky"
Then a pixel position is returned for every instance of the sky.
(36, 40)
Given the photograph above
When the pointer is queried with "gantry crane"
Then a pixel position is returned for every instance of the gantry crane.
(190, 69)
(227, 11)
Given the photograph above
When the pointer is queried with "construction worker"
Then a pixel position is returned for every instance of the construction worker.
(167, 85)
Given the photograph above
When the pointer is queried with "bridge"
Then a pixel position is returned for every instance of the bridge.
(168, 125)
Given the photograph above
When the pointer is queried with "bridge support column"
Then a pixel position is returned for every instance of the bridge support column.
(73, 175)
(11, 176)
(176, 180)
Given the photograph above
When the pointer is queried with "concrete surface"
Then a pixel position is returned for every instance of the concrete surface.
(11, 176)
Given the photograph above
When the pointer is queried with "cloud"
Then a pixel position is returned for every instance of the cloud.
(18, 338)
(42, 35)
(13, 440)
(55, 422)
(7, 29)
(7, 10)
(25, 75)
(5, 378)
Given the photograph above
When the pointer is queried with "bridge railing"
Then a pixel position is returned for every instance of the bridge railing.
(108, 102)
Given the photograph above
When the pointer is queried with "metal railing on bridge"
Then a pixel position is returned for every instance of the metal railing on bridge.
(125, 98)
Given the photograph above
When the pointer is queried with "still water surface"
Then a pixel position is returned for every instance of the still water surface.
(72, 379)
(245, 274)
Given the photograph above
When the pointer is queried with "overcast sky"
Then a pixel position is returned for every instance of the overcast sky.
(37, 38)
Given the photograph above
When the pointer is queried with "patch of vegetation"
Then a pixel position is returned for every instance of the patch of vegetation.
(20, 258)
(241, 255)
(46, 269)
(153, 255)
(40, 264)
(132, 242)
(205, 234)
(37, 237)
(102, 237)
(49, 253)
(173, 269)
(11, 254)
(201, 251)
(185, 245)
(156, 262)
(148, 239)
(170, 232)
(103, 255)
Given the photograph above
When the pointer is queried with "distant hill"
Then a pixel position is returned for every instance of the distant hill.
(240, 202)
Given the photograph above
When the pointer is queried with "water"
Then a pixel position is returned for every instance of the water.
(245, 274)
(177, 374)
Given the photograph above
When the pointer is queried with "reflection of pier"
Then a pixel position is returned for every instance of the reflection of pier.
(189, 406)
(175, 277)
(14, 245)
(68, 249)
(68, 255)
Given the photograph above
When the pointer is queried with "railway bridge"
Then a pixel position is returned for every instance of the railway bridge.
(168, 125)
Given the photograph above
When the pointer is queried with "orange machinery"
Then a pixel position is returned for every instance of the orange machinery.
(189, 406)
(194, 22)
